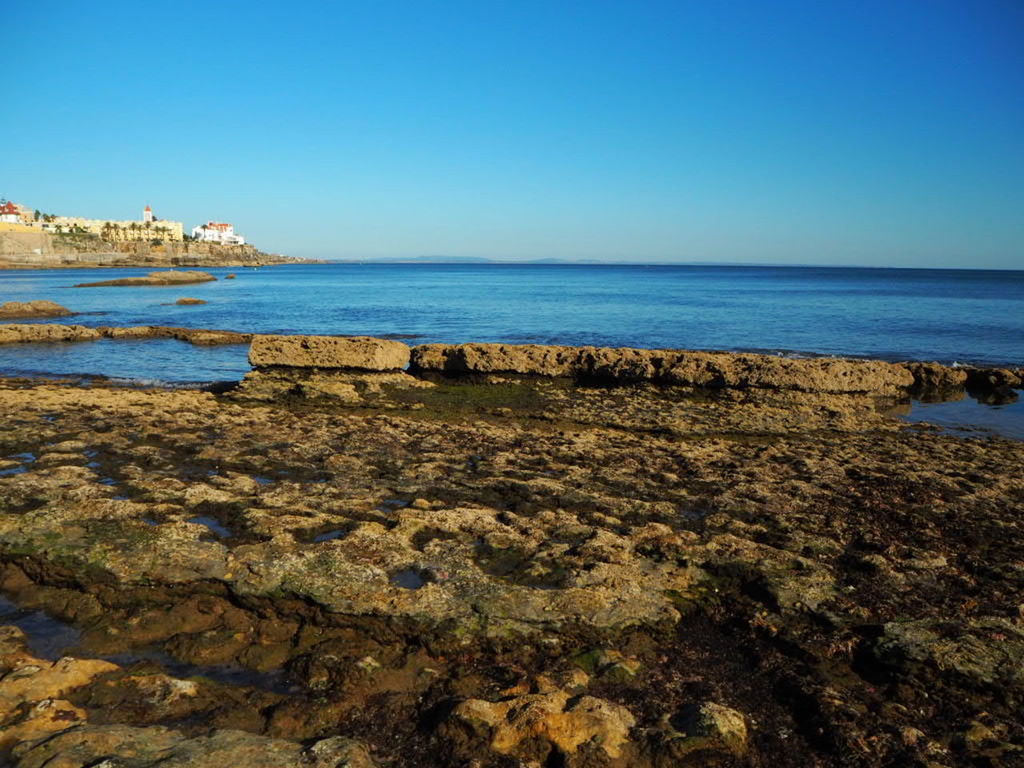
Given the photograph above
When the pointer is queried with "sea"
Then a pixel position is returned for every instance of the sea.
(950, 316)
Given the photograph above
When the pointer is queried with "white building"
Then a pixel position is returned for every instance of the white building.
(217, 232)
(9, 214)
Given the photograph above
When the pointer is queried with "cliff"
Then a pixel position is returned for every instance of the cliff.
(40, 250)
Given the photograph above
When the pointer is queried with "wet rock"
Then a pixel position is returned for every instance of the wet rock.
(354, 352)
(38, 308)
(33, 691)
(936, 382)
(673, 367)
(993, 379)
(187, 301)
(197, 336)
(746, 545)
(34, 681)
(170, 277)
(530, 726)
(39, 720)
(711, 727)
(985, 651)
(92, 745)
(339, 386)
(339, 752)
(609, 665)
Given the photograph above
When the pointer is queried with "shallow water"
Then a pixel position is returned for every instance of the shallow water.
(944, 315)
(969, 418)
(215, 526)
(49, 638)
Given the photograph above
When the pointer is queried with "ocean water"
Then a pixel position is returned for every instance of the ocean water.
(892, 314)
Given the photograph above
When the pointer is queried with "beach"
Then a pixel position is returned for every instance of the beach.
(511, 555)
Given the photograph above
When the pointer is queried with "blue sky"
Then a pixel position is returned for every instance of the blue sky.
(877, 133)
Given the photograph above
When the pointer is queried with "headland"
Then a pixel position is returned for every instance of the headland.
(31, 239)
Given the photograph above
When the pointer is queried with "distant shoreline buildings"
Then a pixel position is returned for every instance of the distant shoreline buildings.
(20, 218)
(217, 232)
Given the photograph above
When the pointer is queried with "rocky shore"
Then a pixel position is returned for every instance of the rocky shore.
(42, 250)
(491, 555)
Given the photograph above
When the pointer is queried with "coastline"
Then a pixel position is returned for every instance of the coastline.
(503, 545)
(271, 260)
(40, 250)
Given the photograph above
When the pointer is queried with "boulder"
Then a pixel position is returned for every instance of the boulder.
(41, 308)
(352, 352)
(674, 367)
(186, 301)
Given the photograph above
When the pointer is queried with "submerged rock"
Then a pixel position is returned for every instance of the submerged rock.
(186, 301)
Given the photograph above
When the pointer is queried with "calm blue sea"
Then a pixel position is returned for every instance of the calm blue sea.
(945, 315)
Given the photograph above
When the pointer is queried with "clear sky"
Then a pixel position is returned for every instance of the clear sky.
(879, 132)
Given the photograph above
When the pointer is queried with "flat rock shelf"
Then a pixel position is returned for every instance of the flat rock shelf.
(507, 557)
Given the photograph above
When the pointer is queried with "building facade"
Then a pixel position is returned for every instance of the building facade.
(150, 228)
(217, 232)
